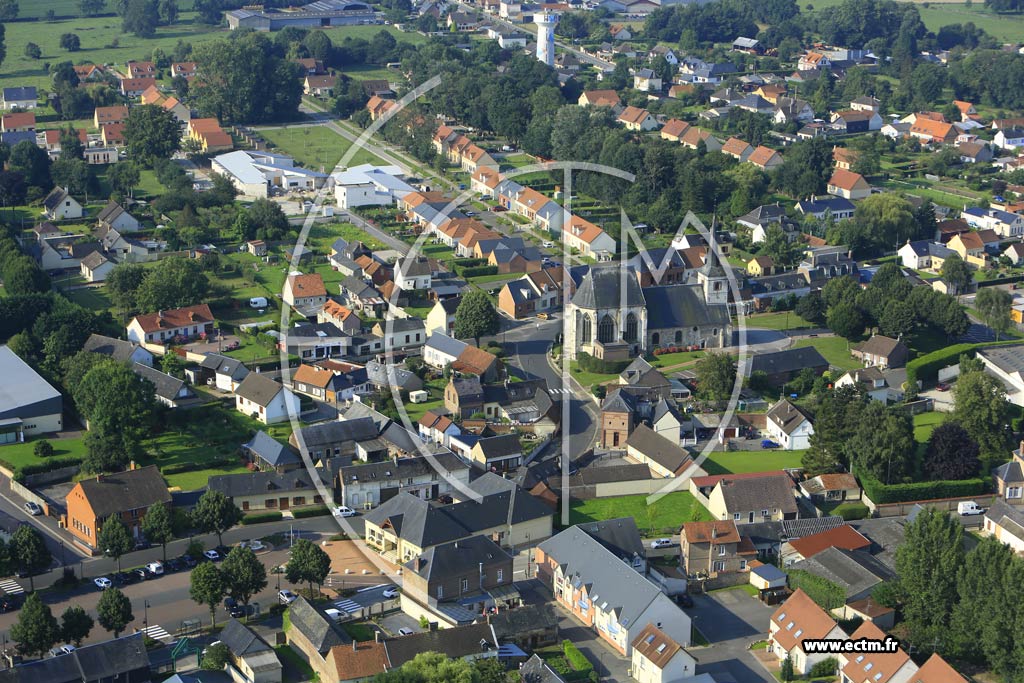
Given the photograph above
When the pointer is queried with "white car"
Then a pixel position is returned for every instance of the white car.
(211, 555)
(405, 631)
(33, 509)
(661, 543)
(67, 649)
(390, 593)
(102, 582)
(155, 568)
(335, 615)
(286, 596)
(343, 511)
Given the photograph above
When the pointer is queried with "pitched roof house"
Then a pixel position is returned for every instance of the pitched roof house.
(769, 497)
(798, 619)
(657, 655)
(188, 322)
(127, 494)
(848, 185)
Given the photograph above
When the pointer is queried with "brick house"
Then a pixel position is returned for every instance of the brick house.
(618, 419)
(127, 494)
(715, 548)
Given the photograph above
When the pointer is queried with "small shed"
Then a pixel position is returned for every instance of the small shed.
(767, 576)
(419, 396)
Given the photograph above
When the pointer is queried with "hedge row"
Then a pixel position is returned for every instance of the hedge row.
(49, 465)
(923, 490)
(577, 660)
(310, 512)
(260, 517)
(479, 271)
(825, 593)
(464, 264)
(588, 363)
(926, 368)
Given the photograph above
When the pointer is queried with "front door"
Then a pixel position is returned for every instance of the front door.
(282, 503)
(751, 518)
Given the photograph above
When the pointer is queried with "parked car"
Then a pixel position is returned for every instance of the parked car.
(8, 604)
(768, 443)
(343, 511)
(125, 578)
(234, 608)
(661, 543)
(969, 507)
(188, 561)
(405, 631)
(173, 565)
(102, 582)
(390, 593)
(335, 615)
(252, 545)
(211, 555)
(33, 509)
(142, 574)
(143, 544)
(286, 596)
(155, 568)
(942, 386)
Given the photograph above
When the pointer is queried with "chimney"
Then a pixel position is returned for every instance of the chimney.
(432, 626)
(160, 314)
(356, 642)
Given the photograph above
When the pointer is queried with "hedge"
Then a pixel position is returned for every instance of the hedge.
(260, 517)
(479, 271)
(577, 660)
(826, 667)
(825, 593)
(598, 366)
(926, 367)
(465, 264)
(48, 465)
(310, 512)
(880, 493)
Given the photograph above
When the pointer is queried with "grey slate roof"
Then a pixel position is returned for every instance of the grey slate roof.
(789, 360)
(241, 640)
(787, 416)
(271, 451)
(536, 670)
(500, 446)
(771, 492)
(258, 388)
(586, 561)
(315, 626)
(450, 559)
(619, 536)
(1010, 517)
(118, 349)
(255, 483)
(389, 374)
(455, 643)
(110, 212)
(56, 196)
(225, 365)
(1010, 472)
(603, 288)
(619, 401)
(445, 344)
(853, 570)
(129, 490)
(403, 468)
(673, 306)
(657, 448)
(121, 659)
(165, 386)
(417, 521)
(326, 433)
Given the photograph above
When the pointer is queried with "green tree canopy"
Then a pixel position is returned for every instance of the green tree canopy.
(476, 317)
(308, 563)
(114, 539)
(29, 552)
(244, 574)
(36, 630)
(157, 526)
(75, 625)
(150, 133)
(215, 513)
(114, 611)
(716, 376)
(208, 587)
(993, 305)
(173, 283)
(983, 411)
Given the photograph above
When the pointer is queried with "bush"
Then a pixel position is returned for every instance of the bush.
(827, 594)
(926, 368)
(577, 660)
(826, 667)
(923, 490)
(479, 271)
(50, 465)
(43, 449)
(588, 363)
(260, 517)
(310, 512)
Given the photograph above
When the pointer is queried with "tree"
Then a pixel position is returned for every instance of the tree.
(215, 513)
(151, 133)
(207, 587)
(75, 625)
(141, 17)
(156, 525)
(114, 539)
(91, 8)
(173, 283)
(887, 220)
(43, 449)
(981, 623)
(168, 10)
(883, 443)
(811, 307)
(898, 319)
(777, 246)
(8, 10)
(29, 553)
(264, 220)
(173, 365)
(33, 51)
(36, 630)
(123, 284)
(952, 454)
(119, 407)
(431, 667)
(846, 320)
(993, 305)
(114, 610)
(32, 162)
(834, 426)
(475, 317)
(216, 657)
(716, 376)
(70, 42)
(308, 563)
(983, 411)
(955, 272)
(244, 574)
(123, 177)
(928, 562)
(786, 670)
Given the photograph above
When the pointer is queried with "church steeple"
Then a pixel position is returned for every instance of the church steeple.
(711, 275)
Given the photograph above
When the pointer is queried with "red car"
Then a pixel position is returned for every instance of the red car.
(942, 386)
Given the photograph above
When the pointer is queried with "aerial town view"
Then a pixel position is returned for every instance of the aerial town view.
(490, 341)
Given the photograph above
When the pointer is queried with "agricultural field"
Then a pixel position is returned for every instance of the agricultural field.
(935, 14)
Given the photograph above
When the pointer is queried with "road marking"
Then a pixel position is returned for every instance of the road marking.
(349, 606)
(11, 587)
(156, 632)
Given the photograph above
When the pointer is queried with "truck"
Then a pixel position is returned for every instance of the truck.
(969, 507)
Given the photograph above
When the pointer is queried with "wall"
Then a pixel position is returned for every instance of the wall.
(62, 474)
(944, 504)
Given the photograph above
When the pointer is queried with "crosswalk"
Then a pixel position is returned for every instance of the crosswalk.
(348, 606)
(558, 392)
(11, 587)
(156, 632)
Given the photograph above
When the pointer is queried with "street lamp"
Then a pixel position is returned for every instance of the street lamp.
(145, 617)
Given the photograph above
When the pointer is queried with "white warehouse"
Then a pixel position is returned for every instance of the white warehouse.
(253, 173)
(369, 185)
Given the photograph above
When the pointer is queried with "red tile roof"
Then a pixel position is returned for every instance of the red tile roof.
(845, 537)
(800, 615)
(178, 317)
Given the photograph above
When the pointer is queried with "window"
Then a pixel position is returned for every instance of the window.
(465, 584)
(440, 592)
(721, 551)
(501, 575)
(719, 566)
(270, 503)
(743, 565)
(764, 513)
(679, 336)
(736, 516)
(585, 332)
(606, 330)
(1013, 492)
(631, 328)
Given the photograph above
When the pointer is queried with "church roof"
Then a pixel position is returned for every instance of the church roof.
(681, 306)
(603, 288)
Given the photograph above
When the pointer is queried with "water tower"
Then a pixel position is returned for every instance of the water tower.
(546, 36)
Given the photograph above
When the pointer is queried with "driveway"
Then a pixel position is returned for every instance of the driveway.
(730, 620)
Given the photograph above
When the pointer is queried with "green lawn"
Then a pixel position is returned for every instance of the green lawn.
(588, 379)
(925, 424)
(20, 454)
(739, 462)
(783, 320)
(669, 512)
(316, 147)
(935, 15)
(834, 349)
(667, 360)
(93, 298)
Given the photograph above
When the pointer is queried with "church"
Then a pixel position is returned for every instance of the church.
(610, 316)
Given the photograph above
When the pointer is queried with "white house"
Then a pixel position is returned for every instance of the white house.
(1004, 223)
(587, 238)
(413, 273)
(25, 97)
(440, 350)
(798, 619)
(1006, 523)
(114, 217)
(1011, 138)
(59, 205)
(789, 426)
(865, 667)
(659, 659)
(95, 267)
(265, 399)
(188, 322)
(442, 316)
(369, 185)
(253, 173)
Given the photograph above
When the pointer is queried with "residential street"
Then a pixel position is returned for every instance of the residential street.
(731, 620)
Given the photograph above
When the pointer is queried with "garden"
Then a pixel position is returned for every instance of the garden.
(666, 514)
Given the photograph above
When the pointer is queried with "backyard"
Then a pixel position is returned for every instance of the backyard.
(836, 351)
(782, 320)
(739, 462)
(668, 512)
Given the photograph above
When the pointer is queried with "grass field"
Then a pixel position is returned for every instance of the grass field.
(98, 36)
(925, 424)
(317, 147)
(667, 360)
(740, 462)
(1004, 27)
(669, 512)
(783, 320)
(834, 349)
(587, 379)
(19, 454)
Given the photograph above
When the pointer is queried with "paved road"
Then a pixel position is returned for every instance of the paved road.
(731, 621)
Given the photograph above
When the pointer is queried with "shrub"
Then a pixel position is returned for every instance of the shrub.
(260, 517)
(43, 449)
(588, 363)
(50, 465)
(923, 490)
(826, 667)
(577, 660)
(827, 594)
(310, 512)
(479, 271)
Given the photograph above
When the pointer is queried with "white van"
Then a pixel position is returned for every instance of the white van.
(969, 507)
(258, 302)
